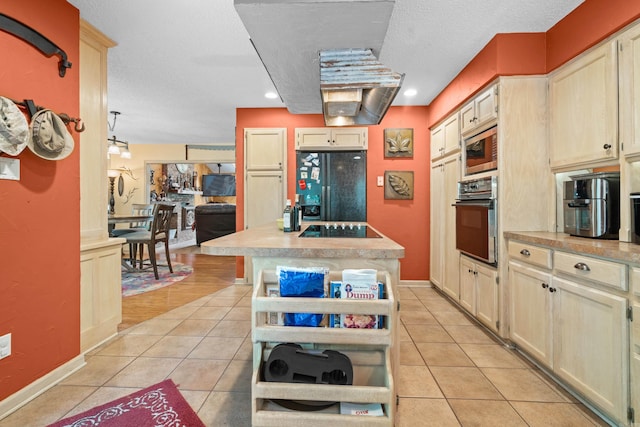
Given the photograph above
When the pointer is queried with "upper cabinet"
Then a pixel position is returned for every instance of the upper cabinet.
(583, 110)
(629, 62)
(445, 138)
(479, 112)
(327, 138)
(265, 149)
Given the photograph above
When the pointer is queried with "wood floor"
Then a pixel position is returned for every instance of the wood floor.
(210, 274)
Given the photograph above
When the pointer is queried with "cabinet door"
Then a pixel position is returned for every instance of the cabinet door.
(590, 337)
(629, 62)
(584, 110)
(486, 296)
(264, 197)
(467, 118)
(349, 138)
(436, 243)
(530, 323)
(437, 142)
(451, 131)
(265, 148)
(451, 283)
(635, 338)
(467, 285)
(311, 138)
(485, 106)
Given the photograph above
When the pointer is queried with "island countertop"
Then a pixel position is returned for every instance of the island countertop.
(268, 241)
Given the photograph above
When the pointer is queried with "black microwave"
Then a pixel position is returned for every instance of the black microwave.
(481, 152)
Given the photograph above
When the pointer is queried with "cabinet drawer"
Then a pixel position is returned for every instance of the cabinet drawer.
(606, 273)
(634, 276)
(530, 254)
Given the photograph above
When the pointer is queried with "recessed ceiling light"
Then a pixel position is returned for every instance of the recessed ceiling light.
(410, 92)
(271, 95)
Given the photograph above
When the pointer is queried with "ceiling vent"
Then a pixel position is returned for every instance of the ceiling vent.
(356, 89)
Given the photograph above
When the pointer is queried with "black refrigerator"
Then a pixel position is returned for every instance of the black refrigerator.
(332, 185)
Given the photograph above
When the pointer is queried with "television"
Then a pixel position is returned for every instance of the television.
(220, 184)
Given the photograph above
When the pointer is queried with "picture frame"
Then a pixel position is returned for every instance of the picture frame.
(398, 185)
(398, 142)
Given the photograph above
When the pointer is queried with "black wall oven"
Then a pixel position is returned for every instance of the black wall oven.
(476, 213)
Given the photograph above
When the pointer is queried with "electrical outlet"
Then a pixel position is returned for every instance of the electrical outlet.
(380, 181)
(5, 346)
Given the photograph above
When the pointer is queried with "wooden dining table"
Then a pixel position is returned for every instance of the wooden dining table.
(112, 220)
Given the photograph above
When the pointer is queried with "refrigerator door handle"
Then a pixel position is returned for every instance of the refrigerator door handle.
(323, 204)
(327, 203)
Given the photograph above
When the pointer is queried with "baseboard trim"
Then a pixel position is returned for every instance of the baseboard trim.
(240, 281)
(416, 283)
(39, 386)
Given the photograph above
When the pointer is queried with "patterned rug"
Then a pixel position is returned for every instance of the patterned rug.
(139, 282)
(160, 405)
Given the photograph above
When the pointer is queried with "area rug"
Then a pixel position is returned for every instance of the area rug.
(160, 405)
(139, 282)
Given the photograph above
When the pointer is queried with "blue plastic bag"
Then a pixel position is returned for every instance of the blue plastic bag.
(301, 282)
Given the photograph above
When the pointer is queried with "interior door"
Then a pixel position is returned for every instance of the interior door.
(346, 186)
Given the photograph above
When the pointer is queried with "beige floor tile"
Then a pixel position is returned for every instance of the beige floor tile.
(411, 305)
(195, 398)
(129, 345)
(219, 301)
(49, 407)
(200, 301)
(210, 312)
(144, 372)
(493, 356)
(194, 327)
(521, 384)
(216, 348)
(173, 346)
(245, 352)
(231, 328)
(417, 317)
(469, 334)
(409, 354)
(428, 333)
(443, 354)
(98, 370)
(178, 313)
(424, 293)
(245, 301)
(405, 293)
(154, 327)
(414, 412)
(486, 413)
(552, 414)
(464, 383)
(198, 374)
(434, 304)
(101, 396)
(238, 313)
(234, 291)
(416, 381)
(231, 409)
(237, 377)
(403, 334)
(451, 317)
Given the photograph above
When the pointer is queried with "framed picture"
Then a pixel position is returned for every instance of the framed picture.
(398, 142)
(398, 185)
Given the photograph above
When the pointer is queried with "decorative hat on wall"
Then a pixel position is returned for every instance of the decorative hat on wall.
(14, 129)
(50, 138)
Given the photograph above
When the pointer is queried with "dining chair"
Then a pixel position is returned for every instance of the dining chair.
(137, 209)
(158, 233)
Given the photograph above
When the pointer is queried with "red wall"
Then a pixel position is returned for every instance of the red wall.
(40, 214)
(405, 221)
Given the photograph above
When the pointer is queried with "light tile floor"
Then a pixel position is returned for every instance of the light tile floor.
(451, 372)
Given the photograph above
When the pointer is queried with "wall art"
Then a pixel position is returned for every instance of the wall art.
(398, 185)
(398, 142)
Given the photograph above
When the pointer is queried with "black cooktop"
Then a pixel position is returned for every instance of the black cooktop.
(357, 231)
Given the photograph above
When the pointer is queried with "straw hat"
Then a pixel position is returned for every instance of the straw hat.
(50, 138)
(14, 130)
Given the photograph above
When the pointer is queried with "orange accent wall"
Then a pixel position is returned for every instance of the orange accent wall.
(40, 214)
(405, 221)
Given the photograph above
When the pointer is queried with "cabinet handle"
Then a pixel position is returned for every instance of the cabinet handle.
(582, 266)
(552, 289)
(544, 286)
(606, 146)
(525, 252)
(470, 271)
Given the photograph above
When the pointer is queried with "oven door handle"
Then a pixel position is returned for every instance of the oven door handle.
(481, 203)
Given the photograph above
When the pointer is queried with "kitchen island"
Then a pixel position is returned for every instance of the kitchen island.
(374, 353)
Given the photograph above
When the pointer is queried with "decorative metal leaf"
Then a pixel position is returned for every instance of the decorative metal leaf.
(399, 185)
(398, 144)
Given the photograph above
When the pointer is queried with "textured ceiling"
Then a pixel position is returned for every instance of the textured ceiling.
(180, 69)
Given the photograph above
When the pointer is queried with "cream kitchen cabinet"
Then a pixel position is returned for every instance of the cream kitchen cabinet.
(445, 138)
(479, 113)
(327, 138)
(479, 291)
(265, 149)
(629, 63)
(634, 359)
(583, 110)
(445, 175)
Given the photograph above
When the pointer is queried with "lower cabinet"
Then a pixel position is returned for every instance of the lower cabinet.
(479, 291)
(572, 327)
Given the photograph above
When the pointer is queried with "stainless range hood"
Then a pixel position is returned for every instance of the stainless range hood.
(356, 89)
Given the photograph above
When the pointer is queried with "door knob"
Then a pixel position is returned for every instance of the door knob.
(544, 286)
(606, 146)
